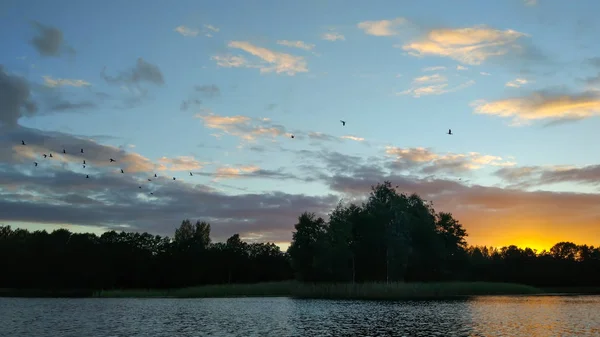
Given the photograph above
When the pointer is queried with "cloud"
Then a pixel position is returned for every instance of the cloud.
(530, 2)
(15, 99)
(459, 67)
(280, 63)
(430, 79)
(50, 41)
(430, 162)
(234, 172)
(530, 176)
(244, 127)
(141, 72)
(186, 31)
(64, 105)
(38, 142)
(470, 46)
(382, 27)
(541, 106)
(212, 28)
(232, 61)
(517, 83)
(354, 138)
(434, 68)
(182, 163)
(296, 44)
(59, 82)
(436, 89)
(483, 73)
(319, 136)
(333, 36)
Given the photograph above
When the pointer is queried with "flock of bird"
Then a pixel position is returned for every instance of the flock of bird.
(111, 160)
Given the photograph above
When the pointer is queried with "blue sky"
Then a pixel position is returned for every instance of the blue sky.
(217, 88)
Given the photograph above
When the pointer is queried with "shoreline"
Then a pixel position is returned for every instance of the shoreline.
(292, 289)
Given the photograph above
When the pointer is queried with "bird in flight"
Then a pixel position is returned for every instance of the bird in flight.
(173, 178)
(149, 179)
(23, 142)
(111, 160)
(450, 131)
(155, 175)
(64, 151)
(81, 150)
(84, 162)
(35, 163)
(50, 155)
(292, 136)
(87, 176)
(343, 122)
(191, 174)
(122, 171)
(45, 155)
(152, 193)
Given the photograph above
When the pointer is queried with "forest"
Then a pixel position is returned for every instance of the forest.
(390, 237)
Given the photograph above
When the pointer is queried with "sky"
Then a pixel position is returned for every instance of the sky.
(217, 89)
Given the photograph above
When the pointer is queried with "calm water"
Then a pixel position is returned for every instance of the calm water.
(529, 316)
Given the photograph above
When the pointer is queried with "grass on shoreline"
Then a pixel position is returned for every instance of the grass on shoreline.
(366, 291)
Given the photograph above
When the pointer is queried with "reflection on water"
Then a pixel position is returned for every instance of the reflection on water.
(530, 316)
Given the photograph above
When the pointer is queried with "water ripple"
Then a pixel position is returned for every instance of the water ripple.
(531, 316)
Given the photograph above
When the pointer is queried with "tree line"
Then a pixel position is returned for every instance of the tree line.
(389, 237)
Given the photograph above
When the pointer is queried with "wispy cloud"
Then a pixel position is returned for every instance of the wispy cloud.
(270, 61)
(532, 176)
(427, 161)
(420, 87)
(516, 83)
(530, 2)
(212, 28)
(232, 61)
(182, 163)
(381, 27)
(244, 127)
(58, 82)
(430, 79)
(541, 106)
(483, 73)
(234, 172)
(470, 46)
(436, 68)
(186, 31)
(333, 36)
(459, 67)
(193, 32)
(354, 138)
(296, 44)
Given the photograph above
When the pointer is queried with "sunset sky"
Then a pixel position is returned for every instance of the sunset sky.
(217, 88)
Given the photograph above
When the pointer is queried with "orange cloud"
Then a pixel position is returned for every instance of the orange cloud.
(430, 161)
(540, 106)
(182, 163)
(382, 27)
(234, 172)
(280, 63)
(467, 45)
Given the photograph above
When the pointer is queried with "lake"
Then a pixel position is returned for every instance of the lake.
(529, 316)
